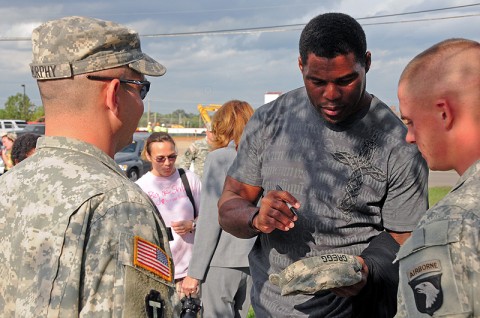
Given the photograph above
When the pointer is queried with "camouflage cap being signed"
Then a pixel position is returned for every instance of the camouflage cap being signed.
(76, 45)
(317, 273)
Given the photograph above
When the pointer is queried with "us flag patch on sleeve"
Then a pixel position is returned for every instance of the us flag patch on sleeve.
(152, 258)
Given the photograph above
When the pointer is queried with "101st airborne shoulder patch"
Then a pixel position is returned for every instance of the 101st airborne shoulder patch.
(152, 258)
(425, 281)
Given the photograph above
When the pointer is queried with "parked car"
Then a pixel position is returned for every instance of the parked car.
(12, 125)
(130, 159)
(38, 129)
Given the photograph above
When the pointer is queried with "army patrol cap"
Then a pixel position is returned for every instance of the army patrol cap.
(317, 273)
(76, 45)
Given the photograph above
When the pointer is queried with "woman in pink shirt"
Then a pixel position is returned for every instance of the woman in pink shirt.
(164, 186)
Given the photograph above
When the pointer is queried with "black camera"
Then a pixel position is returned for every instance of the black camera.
(190, 307)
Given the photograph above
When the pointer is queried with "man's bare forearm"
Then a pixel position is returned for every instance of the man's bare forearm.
(234, 215)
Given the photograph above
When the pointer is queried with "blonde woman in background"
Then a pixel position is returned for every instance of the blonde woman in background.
(7, 141)
(220, 260)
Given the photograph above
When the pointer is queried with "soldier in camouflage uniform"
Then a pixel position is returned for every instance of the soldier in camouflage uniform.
(196, 153)
(440, 102)
(78, 238)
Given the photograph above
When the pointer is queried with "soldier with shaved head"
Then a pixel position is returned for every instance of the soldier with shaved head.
(440, 103)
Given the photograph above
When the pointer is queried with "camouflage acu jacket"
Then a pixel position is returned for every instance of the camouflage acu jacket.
(440, 262)
(78, 237)
(196, 153)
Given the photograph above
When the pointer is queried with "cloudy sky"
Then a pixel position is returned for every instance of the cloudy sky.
(256, 53)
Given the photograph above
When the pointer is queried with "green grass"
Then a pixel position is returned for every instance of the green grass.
(435, 194)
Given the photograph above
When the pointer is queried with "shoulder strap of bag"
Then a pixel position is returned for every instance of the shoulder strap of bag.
(184, 178)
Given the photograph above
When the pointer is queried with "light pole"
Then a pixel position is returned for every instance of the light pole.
(23, 103)
(148, 111)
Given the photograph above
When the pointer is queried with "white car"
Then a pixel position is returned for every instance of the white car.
(12, 125)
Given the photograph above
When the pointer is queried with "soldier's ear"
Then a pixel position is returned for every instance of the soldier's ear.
(443, 109)
(111, 96)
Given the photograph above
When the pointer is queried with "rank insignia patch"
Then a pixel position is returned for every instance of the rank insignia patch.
(152, 258)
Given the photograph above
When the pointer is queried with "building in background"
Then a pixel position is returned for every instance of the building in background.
(271, 96)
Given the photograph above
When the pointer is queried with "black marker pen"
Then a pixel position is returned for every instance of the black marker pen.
(294, 211)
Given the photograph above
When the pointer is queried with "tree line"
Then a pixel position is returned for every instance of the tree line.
(20, 107)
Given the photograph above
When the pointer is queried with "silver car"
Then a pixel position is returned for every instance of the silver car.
(130, 158)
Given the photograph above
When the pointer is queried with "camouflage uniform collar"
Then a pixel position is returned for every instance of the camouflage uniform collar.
(473, 170)
(77, 146)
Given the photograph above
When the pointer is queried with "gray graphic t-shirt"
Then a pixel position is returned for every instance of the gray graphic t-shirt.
(353, 181)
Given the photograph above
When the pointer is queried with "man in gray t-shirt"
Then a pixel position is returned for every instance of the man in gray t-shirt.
(340, 156)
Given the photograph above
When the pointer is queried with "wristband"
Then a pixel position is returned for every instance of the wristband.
(250, 221)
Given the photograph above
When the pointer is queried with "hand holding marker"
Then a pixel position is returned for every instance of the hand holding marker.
(294, 211)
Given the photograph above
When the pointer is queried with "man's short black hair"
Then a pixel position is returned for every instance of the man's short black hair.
(331, 34)
(23, 145)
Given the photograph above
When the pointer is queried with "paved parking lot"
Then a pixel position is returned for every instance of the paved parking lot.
(442, 178)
